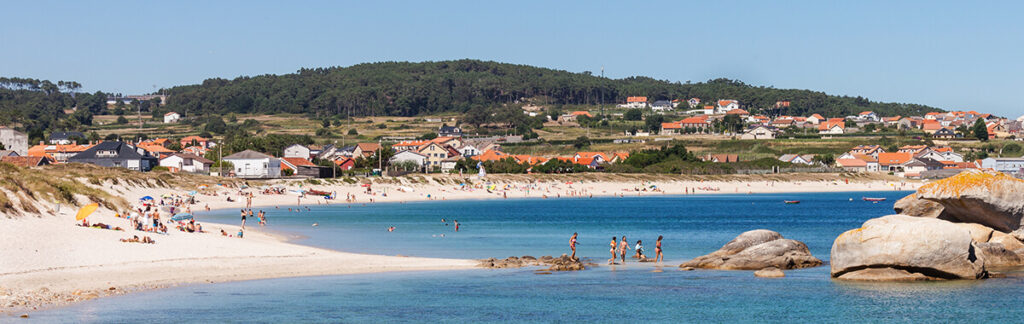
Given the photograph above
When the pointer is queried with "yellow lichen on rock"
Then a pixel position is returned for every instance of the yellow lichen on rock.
(956, 185)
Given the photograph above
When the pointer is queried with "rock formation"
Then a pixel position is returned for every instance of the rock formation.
(771, 272)
(900, 247)
(989, 198)
(563, 263)
(755, 250)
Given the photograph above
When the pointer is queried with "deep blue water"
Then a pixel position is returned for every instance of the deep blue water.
(692, 226)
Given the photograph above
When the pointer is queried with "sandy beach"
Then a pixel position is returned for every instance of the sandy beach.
(49, 261)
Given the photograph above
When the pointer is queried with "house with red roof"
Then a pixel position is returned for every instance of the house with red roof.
(345, 163)
(635, 102)
(698, 122)
(304, 167)
(893, 162)
(197, 141)
(672, 128)
(832, 126)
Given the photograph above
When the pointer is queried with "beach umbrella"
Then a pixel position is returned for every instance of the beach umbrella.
(86, 211)
(146, 198)
(192, 193)
(167, 195)
(181, 217)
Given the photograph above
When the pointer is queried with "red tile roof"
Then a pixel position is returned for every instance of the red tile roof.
(887, 159)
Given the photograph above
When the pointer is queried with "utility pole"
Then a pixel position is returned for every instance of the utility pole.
(220, 159)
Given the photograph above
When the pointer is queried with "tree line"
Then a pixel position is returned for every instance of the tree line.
(409, 89)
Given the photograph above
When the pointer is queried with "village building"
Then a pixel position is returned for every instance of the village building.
(758, 132)
(14, 140)
(695, 102)
(449, 131)
(196, 141)
(662, 105)
(171, 117)
(24, 161)
(408, 156)
(634, 103)
(721, 158)
(1007, 165)
(807, 159)
(250, 164)
(56, 153)
(116, 154)
(65, 138)
(184, 162)
(297, 151)
(366, 150)
(345, 163)
(304, 168)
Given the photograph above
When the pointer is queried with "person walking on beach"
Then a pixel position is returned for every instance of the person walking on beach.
(612, 250)
(658, 257)
(572, 244)
(623, 245)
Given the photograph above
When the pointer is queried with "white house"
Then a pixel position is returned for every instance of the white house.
(254, 165)
(693, 102)
(297, 151)
(14, 140)
(759, 132)
(832, 129)
(171, 117)
(661, 105)
(186, 163)
(725, 105)
(943, 155)
(868, 116)
(410, 156)
(635, 103)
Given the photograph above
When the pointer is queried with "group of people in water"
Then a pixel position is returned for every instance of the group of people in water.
(618, 248)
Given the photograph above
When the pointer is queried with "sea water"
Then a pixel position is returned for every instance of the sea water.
(636, 292)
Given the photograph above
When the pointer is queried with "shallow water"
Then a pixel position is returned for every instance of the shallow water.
(692, 226)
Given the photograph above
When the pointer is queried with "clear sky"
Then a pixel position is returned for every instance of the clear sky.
(949, 54)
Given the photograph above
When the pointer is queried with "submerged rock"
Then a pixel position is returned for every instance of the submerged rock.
(933, 248)
(771, 272)
(989, 198)
(755, 250)
(884, 274)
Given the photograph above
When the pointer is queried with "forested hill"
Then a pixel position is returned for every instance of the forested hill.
(407, 89)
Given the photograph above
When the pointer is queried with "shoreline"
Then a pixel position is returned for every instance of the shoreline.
(46, 273)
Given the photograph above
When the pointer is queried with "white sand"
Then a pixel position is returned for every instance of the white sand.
(47, 260)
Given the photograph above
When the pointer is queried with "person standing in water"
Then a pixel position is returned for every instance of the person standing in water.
(658, 257)
(572, 244)
(243, 218)
(612, 250)
(456, 221)
(623, 245)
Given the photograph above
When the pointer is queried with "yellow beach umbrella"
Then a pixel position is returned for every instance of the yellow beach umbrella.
(86, 211)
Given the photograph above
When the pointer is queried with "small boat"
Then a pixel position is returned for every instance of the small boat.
(873, 199)
(792, 201)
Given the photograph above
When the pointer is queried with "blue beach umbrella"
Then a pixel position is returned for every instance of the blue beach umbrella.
(146, 198)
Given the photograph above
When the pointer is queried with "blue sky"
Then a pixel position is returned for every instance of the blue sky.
(950, 54)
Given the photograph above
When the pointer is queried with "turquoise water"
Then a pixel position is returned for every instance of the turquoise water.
(692, 226)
